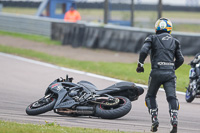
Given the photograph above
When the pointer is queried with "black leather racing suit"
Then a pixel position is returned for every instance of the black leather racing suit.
(166, 57)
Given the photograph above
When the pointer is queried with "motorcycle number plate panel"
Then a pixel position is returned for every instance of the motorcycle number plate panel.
(56, 87)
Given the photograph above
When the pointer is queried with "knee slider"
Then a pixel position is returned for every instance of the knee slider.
(150, 103)
(173, 103)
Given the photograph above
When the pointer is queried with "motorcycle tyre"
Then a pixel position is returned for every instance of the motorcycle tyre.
(42, 109)
(188, 97)
(114, 113)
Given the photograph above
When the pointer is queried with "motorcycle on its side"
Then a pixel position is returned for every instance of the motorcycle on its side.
(84, 99)
(193, 89)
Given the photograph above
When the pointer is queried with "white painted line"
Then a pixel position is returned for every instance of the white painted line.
(72, 70)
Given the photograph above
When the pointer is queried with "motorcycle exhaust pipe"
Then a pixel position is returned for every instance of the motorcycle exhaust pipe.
(197, 96)
(85, 110)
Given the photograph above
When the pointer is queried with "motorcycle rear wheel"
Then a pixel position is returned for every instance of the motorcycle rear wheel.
(106, 112)
(38, 107)
(188, 96)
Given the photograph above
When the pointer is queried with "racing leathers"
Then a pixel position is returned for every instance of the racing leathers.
(166, 57)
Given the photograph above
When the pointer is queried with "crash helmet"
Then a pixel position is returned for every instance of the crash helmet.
(163, 25)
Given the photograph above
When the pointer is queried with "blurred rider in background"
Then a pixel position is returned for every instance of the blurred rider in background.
(72, 15)
(196, 68)
(166, 57)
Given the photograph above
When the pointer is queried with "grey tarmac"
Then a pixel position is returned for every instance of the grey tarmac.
(22, 83)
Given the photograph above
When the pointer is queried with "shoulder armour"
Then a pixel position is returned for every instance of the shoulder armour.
(177, 41)
(149, 39)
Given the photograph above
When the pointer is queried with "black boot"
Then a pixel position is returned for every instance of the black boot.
(174, 120)
(154, 118)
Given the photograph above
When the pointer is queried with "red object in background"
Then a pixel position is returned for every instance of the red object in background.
(72, 16)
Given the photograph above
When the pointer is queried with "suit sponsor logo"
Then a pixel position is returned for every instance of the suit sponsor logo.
(166, 38)
(165, 63)
(147, 39)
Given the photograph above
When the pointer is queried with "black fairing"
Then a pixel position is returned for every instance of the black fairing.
(65, 84)
(127, 89)
(59, 90)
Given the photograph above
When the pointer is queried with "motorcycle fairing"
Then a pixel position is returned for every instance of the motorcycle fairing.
(127, 89)
(63, 100)
(53, 84)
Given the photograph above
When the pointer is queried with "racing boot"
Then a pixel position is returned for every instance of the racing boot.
(174, 120)
(154, 119)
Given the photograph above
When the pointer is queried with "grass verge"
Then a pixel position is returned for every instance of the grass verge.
(35, 38)
(13, 127)
(123, 71)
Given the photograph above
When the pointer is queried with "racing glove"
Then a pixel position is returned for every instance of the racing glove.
(140, 67)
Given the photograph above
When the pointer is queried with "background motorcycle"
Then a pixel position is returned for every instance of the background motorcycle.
(193, 89)
(83, 98)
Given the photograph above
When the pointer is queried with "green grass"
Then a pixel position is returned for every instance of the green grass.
(35, 38)
(13, 127)
(123, 71)
(19, 10)
(181, 14)
(186, 27)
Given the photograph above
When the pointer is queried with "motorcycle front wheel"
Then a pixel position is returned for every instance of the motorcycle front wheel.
(41, 106)
(188, 96)
(113, 112)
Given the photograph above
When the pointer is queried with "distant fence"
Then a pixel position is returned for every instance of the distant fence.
(30, 4)
(25, 24)
(95, 36)
(117, 38)
(90, 35)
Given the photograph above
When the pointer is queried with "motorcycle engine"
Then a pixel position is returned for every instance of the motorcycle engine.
(73, 93)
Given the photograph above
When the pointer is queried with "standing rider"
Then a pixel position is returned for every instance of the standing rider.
(166, 57)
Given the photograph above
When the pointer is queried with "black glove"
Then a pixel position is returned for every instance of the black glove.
(140, 68)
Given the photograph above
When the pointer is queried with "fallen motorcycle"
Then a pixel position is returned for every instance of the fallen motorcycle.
(84, 99)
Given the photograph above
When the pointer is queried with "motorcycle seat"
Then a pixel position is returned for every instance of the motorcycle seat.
(88, 85)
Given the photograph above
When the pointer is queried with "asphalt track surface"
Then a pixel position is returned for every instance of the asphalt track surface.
(23, 82)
